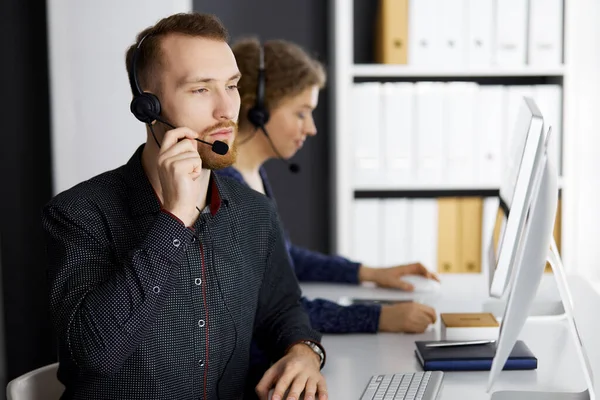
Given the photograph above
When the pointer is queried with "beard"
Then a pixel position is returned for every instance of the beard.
(212, 160)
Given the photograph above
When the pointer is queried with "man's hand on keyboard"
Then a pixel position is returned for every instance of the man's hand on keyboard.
(299, 371)
(406, 317)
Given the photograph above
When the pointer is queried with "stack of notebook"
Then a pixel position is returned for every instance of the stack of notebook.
(471, 357)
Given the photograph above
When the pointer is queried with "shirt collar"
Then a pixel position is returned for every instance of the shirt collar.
(143, 198)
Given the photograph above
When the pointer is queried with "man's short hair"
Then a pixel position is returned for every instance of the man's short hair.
(149, 58)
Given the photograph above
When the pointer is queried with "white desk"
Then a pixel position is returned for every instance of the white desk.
(466, 293)
(352, 359)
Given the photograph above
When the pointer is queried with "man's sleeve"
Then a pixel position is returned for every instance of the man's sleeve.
(101, 308)
(281, 320)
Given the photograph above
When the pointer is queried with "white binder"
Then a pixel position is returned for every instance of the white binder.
(511, 33)
(480, 33)
(545, 33)
(452, 33)
(491, 130)
(460, 140)
(367, 136)
(367, 231)
(429, 132)
(423, 32)
(397, 229)
(398, 129)
(425, 232)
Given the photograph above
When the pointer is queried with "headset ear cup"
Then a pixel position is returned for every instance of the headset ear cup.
(145, 107)
(258, 116)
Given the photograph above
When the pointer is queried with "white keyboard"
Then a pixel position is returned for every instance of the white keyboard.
(405, 386)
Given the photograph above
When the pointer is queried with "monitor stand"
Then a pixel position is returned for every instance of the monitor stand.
(513, 395)
(541, 307)
(547, 304)
(567, 301)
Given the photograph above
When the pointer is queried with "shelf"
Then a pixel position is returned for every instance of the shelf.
(405, 71)
(431, 191)
(421, 193)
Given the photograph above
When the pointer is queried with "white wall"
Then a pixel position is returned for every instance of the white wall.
(581, 197)
(92, 128)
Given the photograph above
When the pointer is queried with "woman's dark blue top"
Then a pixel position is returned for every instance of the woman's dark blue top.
(310, 266)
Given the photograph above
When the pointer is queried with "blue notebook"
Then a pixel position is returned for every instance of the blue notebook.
(472, 358)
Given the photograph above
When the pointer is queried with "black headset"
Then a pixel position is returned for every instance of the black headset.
(146, 106)
(258, 115)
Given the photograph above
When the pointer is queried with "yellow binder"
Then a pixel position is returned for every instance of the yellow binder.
(391, 32)
(448, 235)
(557, 231)
(498, 229)
(471, 216)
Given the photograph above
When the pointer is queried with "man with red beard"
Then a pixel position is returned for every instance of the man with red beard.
(161, 272)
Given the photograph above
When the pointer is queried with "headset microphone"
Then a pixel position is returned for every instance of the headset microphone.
(221, 148)
(258, 115)
(146, 106)
(293, 167)
(217, 146)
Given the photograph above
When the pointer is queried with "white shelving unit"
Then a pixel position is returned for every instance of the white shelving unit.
(580, 128)
(344, 74)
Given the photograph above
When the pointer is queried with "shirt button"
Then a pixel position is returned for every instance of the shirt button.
(156, 289)
(193, 239)
(201, 323)
(176, 242)
(198, 281)
(201, 363)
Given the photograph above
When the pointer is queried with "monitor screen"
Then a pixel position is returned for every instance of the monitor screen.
(515, 193)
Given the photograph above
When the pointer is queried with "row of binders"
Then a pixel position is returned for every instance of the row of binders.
(440, 133)
(470, 33)
(447, 235)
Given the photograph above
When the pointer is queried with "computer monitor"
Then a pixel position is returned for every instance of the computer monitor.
(521, 161)
(532, 252)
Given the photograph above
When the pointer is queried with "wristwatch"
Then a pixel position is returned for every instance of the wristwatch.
(316, 349)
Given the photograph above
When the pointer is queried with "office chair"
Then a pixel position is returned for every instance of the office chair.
(39, 384)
